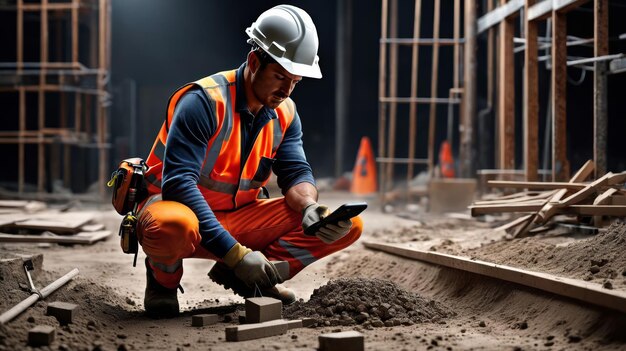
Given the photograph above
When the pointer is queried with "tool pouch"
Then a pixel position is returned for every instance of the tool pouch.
(129, 190)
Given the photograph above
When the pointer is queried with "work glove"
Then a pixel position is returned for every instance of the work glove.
(329, 233)
(255, 269)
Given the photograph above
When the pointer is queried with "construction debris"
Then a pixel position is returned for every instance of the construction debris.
(257, 330)
(342, 341)
(585, 202)
(41, 335)
(62, 311)
(32, 222)
(201, 320)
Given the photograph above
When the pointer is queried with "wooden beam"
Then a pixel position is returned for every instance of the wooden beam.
(531, 99)
(506, 96)
(468, 105)
(540, 11)
(600, 85)
(498, 15)
(432, 122)
(560, 164)
(382, 91)
(413, 105)
(393, 91)
(567, 5)
(573, 288)
(535, 185)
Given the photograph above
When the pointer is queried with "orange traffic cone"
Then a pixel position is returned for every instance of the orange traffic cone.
(446, 162)
(364, 173)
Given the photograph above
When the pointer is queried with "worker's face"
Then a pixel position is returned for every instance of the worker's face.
(272, 84)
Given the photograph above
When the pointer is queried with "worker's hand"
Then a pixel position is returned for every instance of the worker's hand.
(329, 233)
(254, 268)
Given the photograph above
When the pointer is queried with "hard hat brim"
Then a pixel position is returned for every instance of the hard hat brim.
(298, 69)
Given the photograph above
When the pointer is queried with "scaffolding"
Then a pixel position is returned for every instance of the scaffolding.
(66, 81)
(389, 97)
(501, 21)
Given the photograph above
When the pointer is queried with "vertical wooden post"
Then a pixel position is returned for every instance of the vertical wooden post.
(413, 105)
(393, 91)
(506, 96)
(22, 97)
(600, 86)
(432, 122)
(101, 127)
(382, 107)
(560, 166)
(41, 174)
(531, 99)
(469, 90)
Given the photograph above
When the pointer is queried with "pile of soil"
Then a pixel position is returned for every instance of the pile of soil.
(368, 302)
(599, 259)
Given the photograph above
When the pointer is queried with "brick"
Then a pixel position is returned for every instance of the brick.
(263, 309)
(293, 324)
(344, 341)
(200, 320)
(257, 330)
(283, 269)
(307, 322)
(41, 335)
(62, 311)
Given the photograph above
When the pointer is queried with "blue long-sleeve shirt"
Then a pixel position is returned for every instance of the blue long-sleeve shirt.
(193, 125)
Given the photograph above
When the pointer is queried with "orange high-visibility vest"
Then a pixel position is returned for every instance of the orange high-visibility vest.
(224, 182)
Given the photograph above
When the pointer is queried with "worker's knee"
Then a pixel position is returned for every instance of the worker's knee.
(167, 230)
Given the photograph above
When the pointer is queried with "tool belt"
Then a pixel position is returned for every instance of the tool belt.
(129, 190)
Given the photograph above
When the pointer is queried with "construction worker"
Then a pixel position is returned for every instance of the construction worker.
(223, 136)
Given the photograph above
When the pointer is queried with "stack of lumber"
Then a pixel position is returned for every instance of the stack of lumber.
(31, 221)
(598, 199)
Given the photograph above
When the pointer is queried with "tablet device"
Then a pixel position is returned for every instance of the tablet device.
(343, 213)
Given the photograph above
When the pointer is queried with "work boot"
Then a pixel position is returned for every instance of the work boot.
(159, 301)
(221, 274)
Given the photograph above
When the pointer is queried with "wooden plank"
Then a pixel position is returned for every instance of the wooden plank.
(498, 15)
(597, 210)
(58, 223)
(513, 223)
(560, 164)
(506, 96)
(603, 199)
(80, 238)
(535, 185)
(600, 85)
(517, 200)
(531, 99)
(488, 209)
(593, 187)
(583, 291)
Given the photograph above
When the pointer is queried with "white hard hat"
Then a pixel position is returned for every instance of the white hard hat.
(288, 35)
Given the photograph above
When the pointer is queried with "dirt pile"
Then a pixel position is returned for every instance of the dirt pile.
(367, 302)
(599, 258)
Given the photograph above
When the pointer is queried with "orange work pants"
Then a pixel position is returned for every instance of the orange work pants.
(168, 232)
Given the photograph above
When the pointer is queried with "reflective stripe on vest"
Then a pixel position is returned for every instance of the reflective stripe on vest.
(224, 182)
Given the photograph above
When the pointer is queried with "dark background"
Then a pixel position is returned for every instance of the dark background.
(159, 45)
